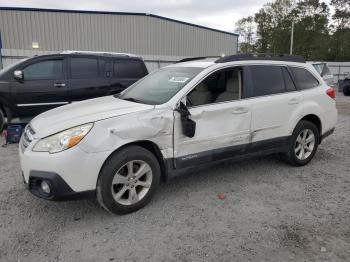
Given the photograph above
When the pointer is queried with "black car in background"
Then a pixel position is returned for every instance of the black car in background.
(344, 85)
(34, 85)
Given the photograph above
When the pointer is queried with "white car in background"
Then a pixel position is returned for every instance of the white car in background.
(324, 71)
(185, 116)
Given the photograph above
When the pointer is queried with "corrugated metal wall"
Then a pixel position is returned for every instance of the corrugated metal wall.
(149, 36)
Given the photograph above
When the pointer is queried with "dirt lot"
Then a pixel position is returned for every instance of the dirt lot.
(271, 212)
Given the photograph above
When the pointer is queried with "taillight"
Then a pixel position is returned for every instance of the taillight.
(331, 92)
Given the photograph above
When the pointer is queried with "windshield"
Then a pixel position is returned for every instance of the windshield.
(160, 86)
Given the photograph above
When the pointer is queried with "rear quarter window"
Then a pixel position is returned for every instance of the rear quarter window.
(126, 68)
(84, 67)
(303, 78)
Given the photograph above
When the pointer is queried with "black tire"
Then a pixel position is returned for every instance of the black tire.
(346, 90)
(111, 167)
(2, 120)
(290, 156)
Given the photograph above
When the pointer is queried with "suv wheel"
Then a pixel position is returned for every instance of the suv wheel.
(2, 120)
(304, 143)
(128, 180)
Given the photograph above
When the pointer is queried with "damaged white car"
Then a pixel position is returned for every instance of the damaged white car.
(185, 116)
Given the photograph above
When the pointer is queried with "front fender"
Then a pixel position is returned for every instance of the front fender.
(111, 134)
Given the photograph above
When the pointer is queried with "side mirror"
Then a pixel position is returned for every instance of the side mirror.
(18, 75)
(188, 125)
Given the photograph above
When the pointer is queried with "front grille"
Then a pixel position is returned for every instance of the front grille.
(27, 137)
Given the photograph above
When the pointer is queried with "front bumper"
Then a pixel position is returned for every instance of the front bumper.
(59, 189)
(71, 174)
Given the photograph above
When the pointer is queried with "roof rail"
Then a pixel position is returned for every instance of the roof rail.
(98, 53)
(274, 57)
(195, 58)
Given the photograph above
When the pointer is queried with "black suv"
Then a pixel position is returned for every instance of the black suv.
(34, 85)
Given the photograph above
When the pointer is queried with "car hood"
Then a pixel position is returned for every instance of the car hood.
(79, 113)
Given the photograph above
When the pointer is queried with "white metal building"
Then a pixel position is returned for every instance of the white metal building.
(159, 40)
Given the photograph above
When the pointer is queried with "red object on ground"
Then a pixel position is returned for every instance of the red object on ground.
(221, 196)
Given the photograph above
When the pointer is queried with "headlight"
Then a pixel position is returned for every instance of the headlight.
(63, 140)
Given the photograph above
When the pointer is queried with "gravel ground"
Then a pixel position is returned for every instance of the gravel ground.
(270, 212)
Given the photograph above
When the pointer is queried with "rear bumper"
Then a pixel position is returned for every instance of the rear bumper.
(59, 189)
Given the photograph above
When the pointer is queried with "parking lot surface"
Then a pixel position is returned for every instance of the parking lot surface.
(258, 209)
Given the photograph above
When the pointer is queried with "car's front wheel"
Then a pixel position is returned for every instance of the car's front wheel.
(303, 144)
(128, 180)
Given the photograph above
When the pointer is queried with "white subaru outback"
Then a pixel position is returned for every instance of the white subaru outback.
(188, 115)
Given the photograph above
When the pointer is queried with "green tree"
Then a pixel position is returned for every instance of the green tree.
(273, 27)
(340, 39)
(314, 37)
(245, 28)
(311, 34)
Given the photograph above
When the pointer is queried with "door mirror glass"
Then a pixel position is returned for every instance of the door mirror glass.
(188, 125)
(18, 75)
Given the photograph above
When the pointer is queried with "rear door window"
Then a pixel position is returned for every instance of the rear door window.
(128, 68)
(303, 78)
(84, 67)
(267, 80)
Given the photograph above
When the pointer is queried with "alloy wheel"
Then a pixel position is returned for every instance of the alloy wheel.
(304, 144)
(132, 182)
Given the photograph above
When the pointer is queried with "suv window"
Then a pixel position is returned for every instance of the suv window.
(326, 71)
(304, 79)
(318, 68)
(288, 80)
(221, 86)
(267, 80)
(48, 69)
(126, 68)
(83, 67)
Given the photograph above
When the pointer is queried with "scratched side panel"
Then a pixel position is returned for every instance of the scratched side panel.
(154, 125)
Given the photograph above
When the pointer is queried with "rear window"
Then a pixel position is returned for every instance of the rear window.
(83, 67)
(304, 79)
(126, 68)
(267, 80)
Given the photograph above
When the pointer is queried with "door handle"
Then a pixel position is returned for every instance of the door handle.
(240, 110)
(59, 85)
(293, 101)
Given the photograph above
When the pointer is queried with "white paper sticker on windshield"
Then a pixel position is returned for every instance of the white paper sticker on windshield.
(178, 79)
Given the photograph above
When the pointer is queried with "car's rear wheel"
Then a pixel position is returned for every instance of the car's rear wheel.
(303, 144)
(128, 180)
(2, 120)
